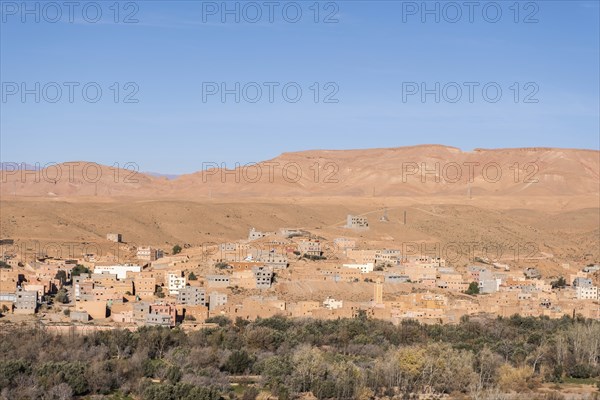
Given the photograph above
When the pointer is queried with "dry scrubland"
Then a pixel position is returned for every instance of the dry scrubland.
(555, 225)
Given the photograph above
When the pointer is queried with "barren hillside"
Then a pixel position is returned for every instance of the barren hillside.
(408, 171)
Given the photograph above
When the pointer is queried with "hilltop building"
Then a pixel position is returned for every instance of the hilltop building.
(355, 222)
(114, 237)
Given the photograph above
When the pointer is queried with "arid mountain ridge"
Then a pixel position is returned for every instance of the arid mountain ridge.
(426, 170)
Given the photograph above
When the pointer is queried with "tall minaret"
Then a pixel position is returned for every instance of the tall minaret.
(378, 299)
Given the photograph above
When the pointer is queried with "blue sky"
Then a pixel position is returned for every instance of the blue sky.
(369, 57)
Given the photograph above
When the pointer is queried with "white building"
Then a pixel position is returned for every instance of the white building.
(587, 292)
(491, 285)
(332, 304)
(364, 268)
(175, 282)
(119, 270)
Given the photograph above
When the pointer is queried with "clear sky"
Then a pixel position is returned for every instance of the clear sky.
(373, 57)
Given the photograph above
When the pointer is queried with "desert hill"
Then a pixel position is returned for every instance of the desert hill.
(428, 170)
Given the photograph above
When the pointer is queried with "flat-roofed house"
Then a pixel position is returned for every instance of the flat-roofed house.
(26, 301)
(217, 281)
(192, 296)
(356, 222)
(119, 270)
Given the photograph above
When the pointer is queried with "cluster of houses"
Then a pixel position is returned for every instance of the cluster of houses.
(241, 280)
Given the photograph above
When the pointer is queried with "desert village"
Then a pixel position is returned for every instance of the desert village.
(291, 272)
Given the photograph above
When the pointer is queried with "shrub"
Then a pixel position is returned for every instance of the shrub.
(79, 269)
(560, 283)
(238, 362)
(62, 296)
(250, 393)
(473, 289)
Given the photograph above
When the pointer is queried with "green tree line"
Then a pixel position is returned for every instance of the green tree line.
(356, 358)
